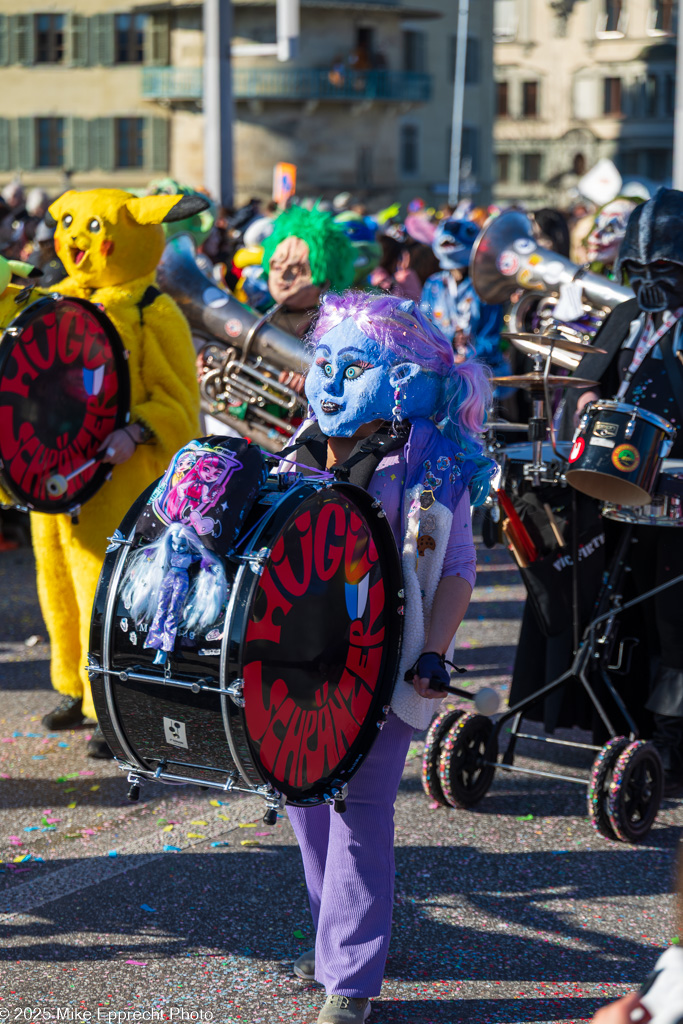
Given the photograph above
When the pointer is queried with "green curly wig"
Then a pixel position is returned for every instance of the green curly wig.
(330, 252)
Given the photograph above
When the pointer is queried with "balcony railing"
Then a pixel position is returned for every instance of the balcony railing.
(293, 84)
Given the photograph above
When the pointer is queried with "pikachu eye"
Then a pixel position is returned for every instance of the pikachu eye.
(94, 226)
(67, 220)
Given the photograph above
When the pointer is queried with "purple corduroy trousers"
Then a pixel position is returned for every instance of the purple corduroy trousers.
(349, 866)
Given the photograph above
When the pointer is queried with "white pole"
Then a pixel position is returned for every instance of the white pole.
(678, 115)
(458, 101)
(287, 29)
(218, 110)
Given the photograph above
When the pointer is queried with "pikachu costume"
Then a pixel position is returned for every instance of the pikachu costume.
(110, 243)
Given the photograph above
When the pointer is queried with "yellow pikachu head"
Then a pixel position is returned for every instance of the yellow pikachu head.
(108, 237)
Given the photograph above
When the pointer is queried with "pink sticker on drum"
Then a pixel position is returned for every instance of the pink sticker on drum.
(508, 263)
(233, 327)
(577, 449)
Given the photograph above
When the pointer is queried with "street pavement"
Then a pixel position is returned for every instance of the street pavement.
(185, 906)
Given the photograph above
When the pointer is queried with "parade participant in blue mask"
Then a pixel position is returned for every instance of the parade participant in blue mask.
(392, 412)
(449, 297)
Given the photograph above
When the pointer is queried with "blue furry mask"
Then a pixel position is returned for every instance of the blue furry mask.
(354, 381)
(453, 243)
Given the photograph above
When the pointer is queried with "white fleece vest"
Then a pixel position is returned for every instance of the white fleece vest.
(421, 576)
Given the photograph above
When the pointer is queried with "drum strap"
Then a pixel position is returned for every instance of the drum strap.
(147, 299)
(361, 464)
(674, 369)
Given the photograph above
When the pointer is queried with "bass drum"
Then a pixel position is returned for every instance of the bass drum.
(285, 693)
(64, 387)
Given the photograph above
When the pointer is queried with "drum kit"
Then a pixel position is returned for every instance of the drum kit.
(619, 457)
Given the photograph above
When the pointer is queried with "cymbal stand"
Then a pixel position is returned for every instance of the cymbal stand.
(538, 423)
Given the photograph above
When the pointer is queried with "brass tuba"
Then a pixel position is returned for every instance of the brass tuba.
(506, 258)
(241, 353)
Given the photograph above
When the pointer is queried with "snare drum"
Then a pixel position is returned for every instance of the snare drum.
(666, 505)
(64, 387)
(285, 693)
(617, 452)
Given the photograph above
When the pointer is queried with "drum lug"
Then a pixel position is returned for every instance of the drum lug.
(401, 609)
(339, 795)
(14, 332)
(117, 540)
(274, 803)
(630, 427)
(135, 783)
(234, 692)
(93, 668)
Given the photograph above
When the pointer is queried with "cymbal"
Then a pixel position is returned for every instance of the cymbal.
(504, 425)
(559, 341)
(534, 382)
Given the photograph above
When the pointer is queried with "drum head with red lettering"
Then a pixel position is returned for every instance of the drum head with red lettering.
(64, 388)
(321, 643)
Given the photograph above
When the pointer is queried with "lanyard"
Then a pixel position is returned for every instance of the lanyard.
(647, 342)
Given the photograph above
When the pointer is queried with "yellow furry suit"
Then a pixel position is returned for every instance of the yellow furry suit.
(110, 243)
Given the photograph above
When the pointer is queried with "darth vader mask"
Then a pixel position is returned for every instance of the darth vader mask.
(652, 252)
(657, 286)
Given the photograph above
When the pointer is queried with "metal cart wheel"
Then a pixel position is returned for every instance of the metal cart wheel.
(465, 778)
(636, 791)
(432, 751)
(600, 781)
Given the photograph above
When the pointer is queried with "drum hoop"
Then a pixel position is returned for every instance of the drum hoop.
(363, 501)
(612, 405)
(120, 354)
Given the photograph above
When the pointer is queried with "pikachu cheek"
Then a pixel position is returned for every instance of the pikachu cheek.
(107, 247)
(57, 245)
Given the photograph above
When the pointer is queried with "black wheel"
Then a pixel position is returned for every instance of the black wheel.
(430, 758)
(464, 777)
(636, 791)
(600, 781)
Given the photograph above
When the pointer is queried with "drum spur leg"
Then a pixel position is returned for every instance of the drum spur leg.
(509, 755)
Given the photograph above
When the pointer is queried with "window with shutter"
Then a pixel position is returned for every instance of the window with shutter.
(504, 20)
(26, 139)
(5, 152)
(77, 40)
(21, 39)
(157, 144)
(157, 41)
(129, 139)
(49, 38)
(102, 39)
(4, 39)
(78, 155)
(49, 144)
(102, 143)
(130, 38)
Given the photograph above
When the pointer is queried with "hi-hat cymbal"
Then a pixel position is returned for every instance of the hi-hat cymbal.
(558, 341)
(534, 382)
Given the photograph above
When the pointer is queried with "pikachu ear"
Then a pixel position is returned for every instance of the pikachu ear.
(55, 209)
(157, 209)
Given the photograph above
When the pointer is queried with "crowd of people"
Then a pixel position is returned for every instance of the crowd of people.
(399, 389)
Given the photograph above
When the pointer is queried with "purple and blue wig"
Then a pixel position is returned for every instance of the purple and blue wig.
(419, 376)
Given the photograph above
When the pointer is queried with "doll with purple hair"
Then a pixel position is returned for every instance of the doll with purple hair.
(391, 411)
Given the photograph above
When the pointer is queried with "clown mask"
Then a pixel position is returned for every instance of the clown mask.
(353, 382)
(602, 244)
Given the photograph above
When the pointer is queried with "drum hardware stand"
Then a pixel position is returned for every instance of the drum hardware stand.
(256, 560)
(117, 540)
(95, 670)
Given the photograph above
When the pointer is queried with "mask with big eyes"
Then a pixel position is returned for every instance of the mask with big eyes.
(352, 383)
(657, 286)
(608, 231)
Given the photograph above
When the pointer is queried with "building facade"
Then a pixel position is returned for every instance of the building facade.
(577, 80)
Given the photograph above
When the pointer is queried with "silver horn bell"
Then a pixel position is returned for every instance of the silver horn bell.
(242, 353)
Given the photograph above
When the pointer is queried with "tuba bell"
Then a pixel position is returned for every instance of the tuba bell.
(241, 353)
(506, 257)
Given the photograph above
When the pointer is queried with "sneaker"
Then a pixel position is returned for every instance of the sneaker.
(98, 746)
(304, 967)
(344, 1010)
(67, 714)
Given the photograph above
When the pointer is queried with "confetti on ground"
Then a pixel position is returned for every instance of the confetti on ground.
(146, 906)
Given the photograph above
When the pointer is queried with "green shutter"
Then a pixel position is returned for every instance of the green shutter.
(157, 40)
(102, 39)
(21, 39)
(156, 143)
(77, 144)
(5, 156)
(102, 143)
(77, 40)
(4, 39)
(26, 143)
